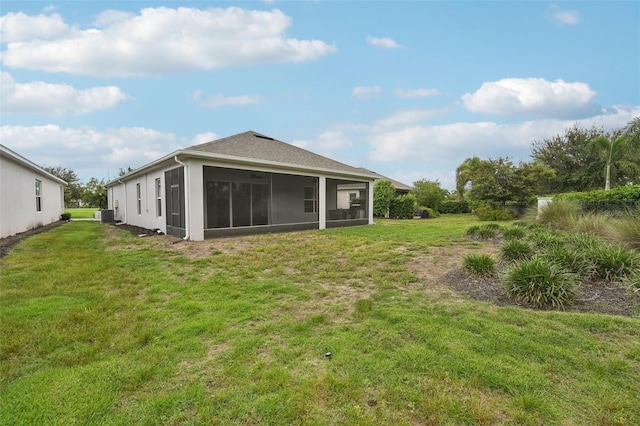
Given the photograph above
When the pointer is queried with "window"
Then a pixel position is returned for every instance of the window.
(158, 198)
(139, 198)
(38, 196)
(352, 196)
(310, 199)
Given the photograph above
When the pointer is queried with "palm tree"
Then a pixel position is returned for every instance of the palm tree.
(615, 149)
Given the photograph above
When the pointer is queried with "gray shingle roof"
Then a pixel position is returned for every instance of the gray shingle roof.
(255, 146)
(396, 184)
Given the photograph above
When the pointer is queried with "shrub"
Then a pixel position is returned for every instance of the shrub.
(613, 263)
(539, 283)
(613, 201)
(402, 207)
(453, 206)
(480, 265)
(514, 250)
(513, 232)
(65, 216)
(560, 214)
(490, 213)
(427, 213)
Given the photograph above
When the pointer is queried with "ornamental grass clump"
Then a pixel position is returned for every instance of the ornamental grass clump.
(479, 265)
(488, 231)
(539, 283)
(613, 263)
(545, 239)
(560, 214)
(625, 230)
(513, 232)
(571, 259)
(514, 250)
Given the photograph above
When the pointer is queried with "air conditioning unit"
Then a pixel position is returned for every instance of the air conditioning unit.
(106, 216)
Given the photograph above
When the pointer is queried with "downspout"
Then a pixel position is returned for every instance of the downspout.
(186, 197)
(125, 199)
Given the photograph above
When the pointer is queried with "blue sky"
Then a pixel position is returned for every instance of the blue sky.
(407, 89)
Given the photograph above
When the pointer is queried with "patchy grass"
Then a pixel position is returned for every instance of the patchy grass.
(102, 327)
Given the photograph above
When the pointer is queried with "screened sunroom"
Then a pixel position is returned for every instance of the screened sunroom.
(241, 201)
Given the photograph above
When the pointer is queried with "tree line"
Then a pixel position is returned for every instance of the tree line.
(581, 159)
(78, 194)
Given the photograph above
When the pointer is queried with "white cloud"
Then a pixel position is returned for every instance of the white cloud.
(452, 143)
(155, 41)
(383, 43)
(90, 152)
(564, 17)
(365, 92)
(515, 96)
(204, 138)
(408, 116)
(416, 93)
(20, 28)
(217, 101)
(38, 97)
(328, 142)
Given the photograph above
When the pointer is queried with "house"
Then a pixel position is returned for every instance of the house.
(30, 196)
(248, 183)
(350, 194)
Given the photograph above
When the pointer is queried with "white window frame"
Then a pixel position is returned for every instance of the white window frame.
(158, 197)
(38, 195)
(139, 198)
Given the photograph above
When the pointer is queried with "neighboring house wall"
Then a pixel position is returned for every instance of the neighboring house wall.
(19, 211)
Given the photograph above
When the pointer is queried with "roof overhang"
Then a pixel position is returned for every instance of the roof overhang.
(4, 151)
(274, 166)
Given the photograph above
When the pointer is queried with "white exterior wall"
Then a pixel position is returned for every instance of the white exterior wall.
(18, 198)
(122, 198)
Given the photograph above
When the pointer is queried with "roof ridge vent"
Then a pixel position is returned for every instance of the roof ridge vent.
(263, 137)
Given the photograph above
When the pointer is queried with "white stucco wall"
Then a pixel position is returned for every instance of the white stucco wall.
(18, 198)
(123, 199)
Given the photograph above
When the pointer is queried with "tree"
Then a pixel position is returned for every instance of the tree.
(463, 175)
(577, 168)
(428, 193)
(617, 149)
(383, 192)
(95, 194)
(73, 189)
(499, 180)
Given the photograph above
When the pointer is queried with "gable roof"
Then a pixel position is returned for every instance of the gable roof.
(255, 149)
(6, 152)
(399, 186)
(255, 146)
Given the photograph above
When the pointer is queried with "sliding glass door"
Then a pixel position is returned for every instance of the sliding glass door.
(235, 204)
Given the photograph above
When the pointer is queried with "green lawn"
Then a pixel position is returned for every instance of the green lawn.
(82, 212)
(102, 327)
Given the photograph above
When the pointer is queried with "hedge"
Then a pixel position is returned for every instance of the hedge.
(454, 206)
(623, 198)
(402, 207)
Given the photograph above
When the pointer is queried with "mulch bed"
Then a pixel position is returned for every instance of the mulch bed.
(600, 297)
